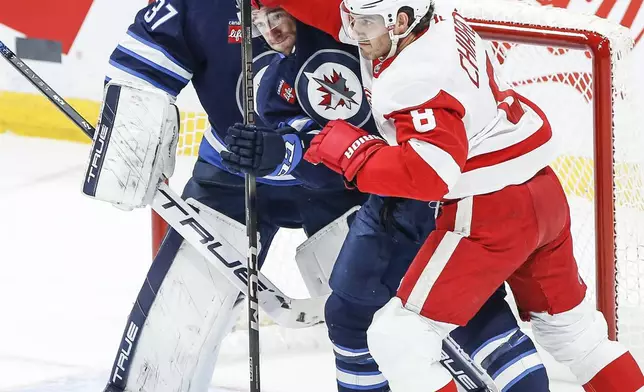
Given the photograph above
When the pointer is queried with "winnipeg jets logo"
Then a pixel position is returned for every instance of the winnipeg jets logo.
(335, 91)
(328, 88)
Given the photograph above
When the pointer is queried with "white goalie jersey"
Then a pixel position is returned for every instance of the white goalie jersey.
(440, 96)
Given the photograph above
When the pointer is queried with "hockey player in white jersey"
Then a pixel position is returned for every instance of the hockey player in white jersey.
(453, 131)
(386, 233)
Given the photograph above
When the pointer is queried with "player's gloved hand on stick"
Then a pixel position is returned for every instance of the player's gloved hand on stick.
(262, 151)
(343, 148)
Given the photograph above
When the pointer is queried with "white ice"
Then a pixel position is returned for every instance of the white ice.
(70, 269)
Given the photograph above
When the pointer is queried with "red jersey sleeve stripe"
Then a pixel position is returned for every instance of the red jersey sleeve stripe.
(534, 141)
(440, 160)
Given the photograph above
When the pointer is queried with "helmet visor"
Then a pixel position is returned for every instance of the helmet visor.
(266, 19)
(362, 27)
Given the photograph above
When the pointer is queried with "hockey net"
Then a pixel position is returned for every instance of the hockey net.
(578, 69)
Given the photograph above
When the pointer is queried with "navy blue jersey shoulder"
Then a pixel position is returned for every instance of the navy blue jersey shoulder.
(173, 42)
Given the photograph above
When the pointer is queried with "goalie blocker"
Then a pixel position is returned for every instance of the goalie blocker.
(134, 146)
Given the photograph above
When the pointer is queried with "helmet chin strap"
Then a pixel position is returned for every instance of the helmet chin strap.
(394, 44)
(395, 39)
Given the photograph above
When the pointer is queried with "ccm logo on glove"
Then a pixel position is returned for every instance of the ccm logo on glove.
(356, 145)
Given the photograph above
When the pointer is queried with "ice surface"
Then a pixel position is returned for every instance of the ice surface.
(70, 270)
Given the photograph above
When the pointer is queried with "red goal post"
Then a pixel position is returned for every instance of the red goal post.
(600, 46)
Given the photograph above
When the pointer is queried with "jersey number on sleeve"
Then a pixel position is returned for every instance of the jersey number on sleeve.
(152, 13)
(423, 119)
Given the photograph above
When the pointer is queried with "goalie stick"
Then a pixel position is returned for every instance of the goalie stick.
(285, 311)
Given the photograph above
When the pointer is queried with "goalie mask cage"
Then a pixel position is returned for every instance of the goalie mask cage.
(577, 68)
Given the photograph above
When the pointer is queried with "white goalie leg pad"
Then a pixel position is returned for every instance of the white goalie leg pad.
(134, 145)
(178, 343)
(578, 339)
(316, 256)
(195, 308)
(407, 348)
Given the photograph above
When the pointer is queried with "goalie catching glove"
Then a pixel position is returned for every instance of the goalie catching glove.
(134, 145)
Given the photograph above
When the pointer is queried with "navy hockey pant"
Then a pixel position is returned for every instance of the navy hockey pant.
(373, 260)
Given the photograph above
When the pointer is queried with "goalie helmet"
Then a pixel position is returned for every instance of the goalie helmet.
(363, 20)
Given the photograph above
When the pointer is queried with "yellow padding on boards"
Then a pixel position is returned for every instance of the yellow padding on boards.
(193, 125)
(33, 115)
(577, 177)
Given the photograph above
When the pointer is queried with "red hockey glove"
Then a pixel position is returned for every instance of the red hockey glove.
(343, 148)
